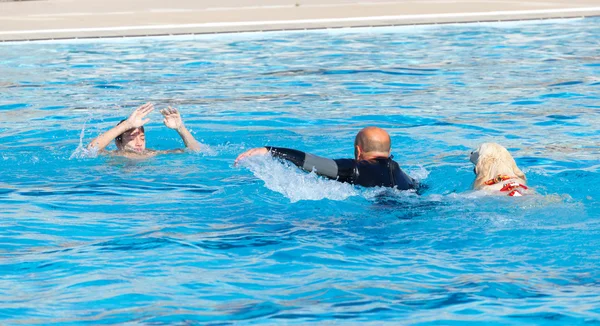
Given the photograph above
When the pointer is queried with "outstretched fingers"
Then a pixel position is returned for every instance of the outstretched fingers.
(169, 111)
(135, 119)
(242, 156)
(251, 152)
(146, 109)
(143, 108)
(238, 159)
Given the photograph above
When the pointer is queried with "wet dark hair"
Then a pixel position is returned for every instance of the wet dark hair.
(119, 138)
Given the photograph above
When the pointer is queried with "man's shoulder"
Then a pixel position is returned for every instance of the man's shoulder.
(394, 163)
(345, 162)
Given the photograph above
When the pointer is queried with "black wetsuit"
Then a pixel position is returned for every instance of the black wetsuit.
(382, 172)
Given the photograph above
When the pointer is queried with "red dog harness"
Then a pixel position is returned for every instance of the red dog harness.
(511, 187)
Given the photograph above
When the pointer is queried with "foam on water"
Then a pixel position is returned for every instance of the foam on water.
(295, 184)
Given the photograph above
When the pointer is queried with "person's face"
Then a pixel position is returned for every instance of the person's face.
(134, 140)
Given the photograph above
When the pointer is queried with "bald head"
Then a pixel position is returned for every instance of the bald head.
(372, 142)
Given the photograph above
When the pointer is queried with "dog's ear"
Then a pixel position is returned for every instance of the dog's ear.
(484, 170)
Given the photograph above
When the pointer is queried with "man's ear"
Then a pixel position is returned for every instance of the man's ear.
(357, 152)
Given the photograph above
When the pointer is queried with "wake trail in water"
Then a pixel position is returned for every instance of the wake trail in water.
(294, 184)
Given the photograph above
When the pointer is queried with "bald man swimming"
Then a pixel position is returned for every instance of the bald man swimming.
(372, 165)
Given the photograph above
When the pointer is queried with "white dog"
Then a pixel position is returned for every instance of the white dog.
(497, 171)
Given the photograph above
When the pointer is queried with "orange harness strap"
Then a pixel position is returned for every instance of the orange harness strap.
(497, 179)
(511, 187)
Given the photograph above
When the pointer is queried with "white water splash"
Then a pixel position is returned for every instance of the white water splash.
(207, 150)
(295, 184)
(82, 151)
(229, 148)
(419, 174)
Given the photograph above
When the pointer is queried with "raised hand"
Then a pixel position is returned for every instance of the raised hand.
(136, 119)
(251, 152)
(172, 118)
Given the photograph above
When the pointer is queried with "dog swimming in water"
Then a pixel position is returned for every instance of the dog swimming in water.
(497, 172)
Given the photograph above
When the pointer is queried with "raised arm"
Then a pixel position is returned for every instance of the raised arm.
(135, 120)
(173, 121)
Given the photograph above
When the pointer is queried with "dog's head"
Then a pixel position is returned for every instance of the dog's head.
(491, 160)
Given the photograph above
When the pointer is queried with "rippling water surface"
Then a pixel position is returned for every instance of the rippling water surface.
(191, 239)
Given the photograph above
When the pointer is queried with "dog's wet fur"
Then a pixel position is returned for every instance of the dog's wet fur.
(491, 160)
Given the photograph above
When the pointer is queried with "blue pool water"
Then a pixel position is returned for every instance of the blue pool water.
(191, 239)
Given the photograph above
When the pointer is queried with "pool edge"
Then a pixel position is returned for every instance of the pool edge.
(234, 27)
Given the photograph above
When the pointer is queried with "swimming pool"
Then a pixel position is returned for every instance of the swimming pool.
(190, 239)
